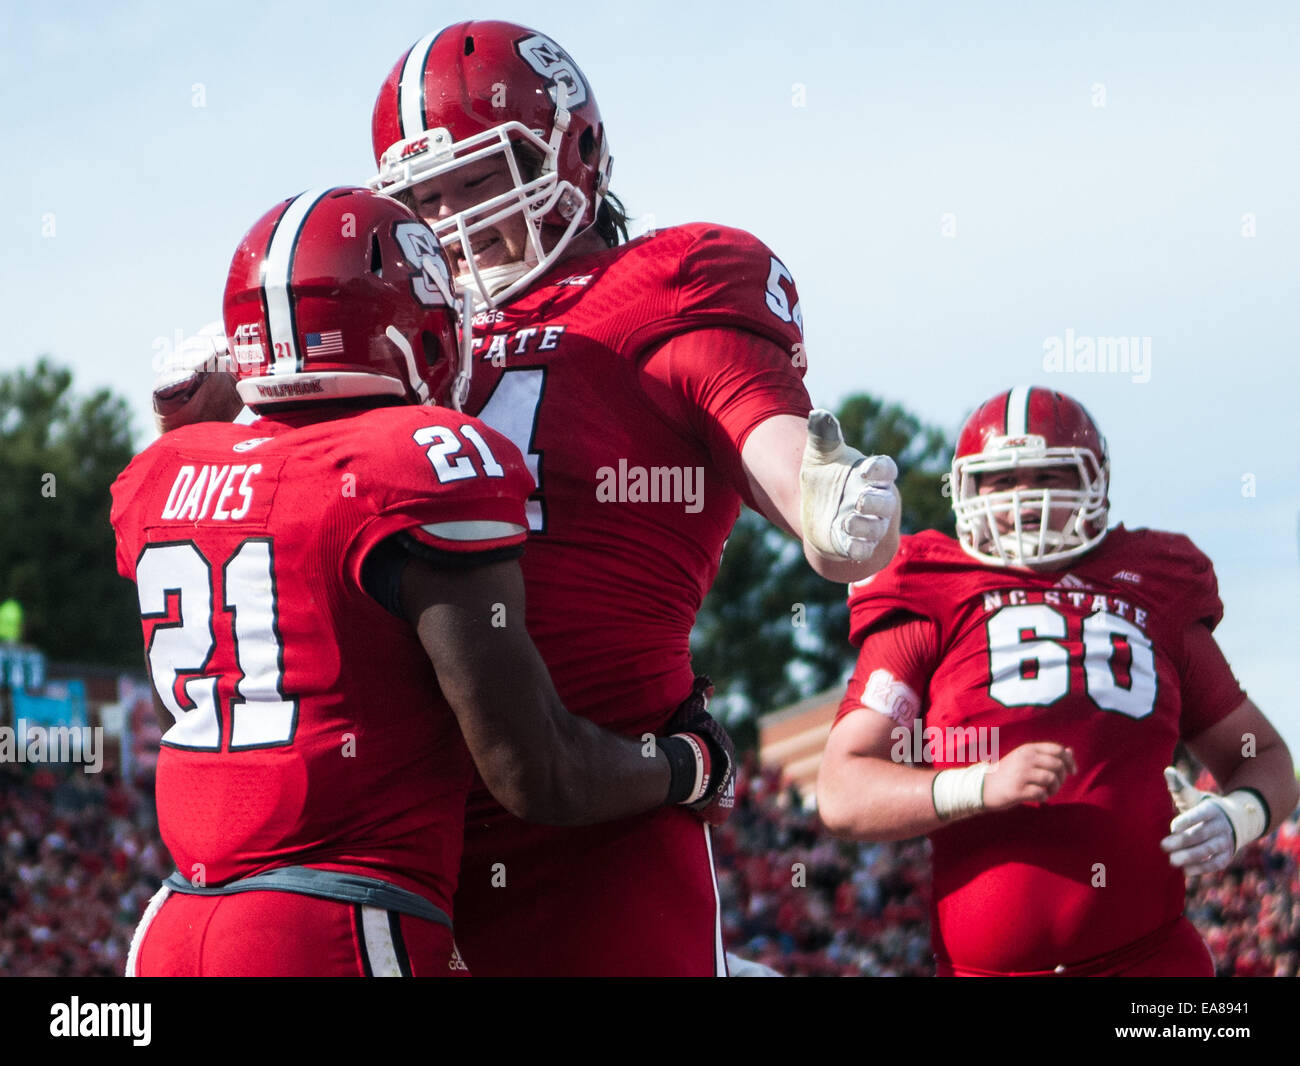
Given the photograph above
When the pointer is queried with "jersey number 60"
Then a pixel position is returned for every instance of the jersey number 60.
(1035, 670)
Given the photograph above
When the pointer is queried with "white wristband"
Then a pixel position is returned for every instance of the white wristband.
(957, 793)
(1246, 814)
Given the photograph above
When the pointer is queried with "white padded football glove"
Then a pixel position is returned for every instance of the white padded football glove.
(849, 499)
(195, 383)
(1211, 828)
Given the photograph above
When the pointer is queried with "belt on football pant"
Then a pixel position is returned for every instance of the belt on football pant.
(325, 884)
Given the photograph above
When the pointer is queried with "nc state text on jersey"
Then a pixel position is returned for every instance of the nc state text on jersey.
(524, 341)
(1060, 597)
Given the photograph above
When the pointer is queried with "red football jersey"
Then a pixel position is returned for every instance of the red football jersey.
(636, 449)
(1092, 657)
(636, 456)
(309, 727)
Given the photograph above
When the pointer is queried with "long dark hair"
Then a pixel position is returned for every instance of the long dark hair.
(611, 220)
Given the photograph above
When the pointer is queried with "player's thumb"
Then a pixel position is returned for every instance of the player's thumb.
(878, 470)
(824, 436)
(1185, 794)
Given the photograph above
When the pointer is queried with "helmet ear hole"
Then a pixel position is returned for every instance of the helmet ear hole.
(376, 256)
(587, 146)
(432, 348)
(469, 45)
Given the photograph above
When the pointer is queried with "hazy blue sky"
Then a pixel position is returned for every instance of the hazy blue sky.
(953, 186)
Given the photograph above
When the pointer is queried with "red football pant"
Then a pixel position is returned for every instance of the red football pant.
(631, 898)
(284, 934)
(1174, 951)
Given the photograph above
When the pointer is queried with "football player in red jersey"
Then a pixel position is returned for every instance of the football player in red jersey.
(1055, 664)
(653, 387)
(333, 617)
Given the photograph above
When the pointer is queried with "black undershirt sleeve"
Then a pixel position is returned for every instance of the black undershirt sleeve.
(381, 571)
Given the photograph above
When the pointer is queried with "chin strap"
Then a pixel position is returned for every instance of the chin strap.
(559, 126)
(460, 386)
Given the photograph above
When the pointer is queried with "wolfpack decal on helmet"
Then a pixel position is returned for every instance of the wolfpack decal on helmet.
(553, 63)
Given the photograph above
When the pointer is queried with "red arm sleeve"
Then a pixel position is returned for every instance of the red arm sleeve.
(894, 668)
(1209, 690)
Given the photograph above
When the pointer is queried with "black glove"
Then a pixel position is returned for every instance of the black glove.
(702, 758)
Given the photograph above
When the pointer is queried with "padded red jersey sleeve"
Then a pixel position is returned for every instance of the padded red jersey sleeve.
(1203, 602)
(893, 671)
(903, 586)
(727, 277)
(126, 527)
(1183, 575)
(719, 385)
(1209, 690)
(423, 474)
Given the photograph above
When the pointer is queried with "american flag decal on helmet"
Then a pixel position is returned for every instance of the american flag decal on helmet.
(324, 344)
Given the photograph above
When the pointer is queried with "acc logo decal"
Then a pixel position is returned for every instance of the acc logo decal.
(249, 445)
(414, 148)
(246, 345)
(551, 62)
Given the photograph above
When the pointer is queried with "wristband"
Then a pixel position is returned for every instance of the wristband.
(958, 793)
(1247, 812)
(689, 765)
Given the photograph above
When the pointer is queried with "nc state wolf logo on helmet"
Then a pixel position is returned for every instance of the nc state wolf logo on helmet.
(552, 62)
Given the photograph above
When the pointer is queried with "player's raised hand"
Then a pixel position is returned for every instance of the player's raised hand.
(195, 384)
(1210, 828)
(1027, 774)
(848, 499)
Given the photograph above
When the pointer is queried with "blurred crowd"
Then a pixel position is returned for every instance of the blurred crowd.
(79, 859)
(80, 856)
(803, 904)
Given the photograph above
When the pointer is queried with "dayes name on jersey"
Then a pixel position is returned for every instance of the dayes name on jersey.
(1094, 601)
(197, 488)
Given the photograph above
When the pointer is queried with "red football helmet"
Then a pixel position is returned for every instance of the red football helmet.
(1028, 428)
(482, 89)
(338, 293)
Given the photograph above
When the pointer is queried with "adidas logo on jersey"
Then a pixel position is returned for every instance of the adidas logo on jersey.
(456, 962)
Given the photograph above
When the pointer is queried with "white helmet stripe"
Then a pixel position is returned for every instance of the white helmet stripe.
(418, 385)
(277, 268)
(1018, 412)
(410, 89)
